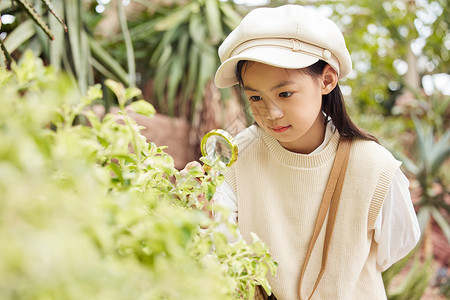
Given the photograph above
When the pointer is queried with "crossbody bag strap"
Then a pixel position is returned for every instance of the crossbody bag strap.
(330, 202)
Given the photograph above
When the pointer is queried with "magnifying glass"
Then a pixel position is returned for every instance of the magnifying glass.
(219, 144)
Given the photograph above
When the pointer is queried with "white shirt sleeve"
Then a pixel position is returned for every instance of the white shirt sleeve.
(397, 229)
(226, 198)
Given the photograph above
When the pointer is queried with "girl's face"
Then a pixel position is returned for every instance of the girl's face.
(287, 104)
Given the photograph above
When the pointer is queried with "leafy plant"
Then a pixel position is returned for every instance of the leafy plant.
(178, 50)
(73, 48)
(424, 166)
(432, 153)
(381, 38)
(415, 281)
(96, 211)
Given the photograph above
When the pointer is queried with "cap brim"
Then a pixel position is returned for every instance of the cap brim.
(273, 56)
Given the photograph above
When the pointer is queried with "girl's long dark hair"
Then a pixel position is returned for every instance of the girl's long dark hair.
(333, 104)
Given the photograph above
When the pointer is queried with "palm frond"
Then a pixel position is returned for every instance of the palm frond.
(52, 9)
(37, 18)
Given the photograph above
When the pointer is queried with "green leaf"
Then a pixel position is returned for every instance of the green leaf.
(132, 92)
(18, 36)
(441, 152)
(415, 282)
(143, 107)
(409, 165)
(169, 38)
(177, 17)
(5, 58)
(191, 78)
(197, 30)
(213, 20)
(210, 192)
(107, 61)
(175, 75)
(35, 17)
(119, 90)
(266, 286)
(231, 17)
(93, 93)
(165, 55)
(52, 9)
(56, 51)
(442, 222)
(160, 87)
(79, 45)
(423, 216)
(117, 170)
(128, 44)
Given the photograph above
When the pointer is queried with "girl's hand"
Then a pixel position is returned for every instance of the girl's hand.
(191, 165)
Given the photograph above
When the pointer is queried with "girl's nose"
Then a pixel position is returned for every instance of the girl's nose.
(272, 110)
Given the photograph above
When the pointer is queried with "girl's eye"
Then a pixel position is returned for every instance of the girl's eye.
(255, 98)
(285, 94)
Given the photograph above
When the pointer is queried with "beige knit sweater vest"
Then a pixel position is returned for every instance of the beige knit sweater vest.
(278, 196)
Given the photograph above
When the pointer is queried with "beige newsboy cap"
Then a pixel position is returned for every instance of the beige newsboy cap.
(288, 36)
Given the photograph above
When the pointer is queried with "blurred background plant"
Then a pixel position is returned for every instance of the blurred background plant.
(178, 49)
(61, 32)
(176, 52)
(398, 90)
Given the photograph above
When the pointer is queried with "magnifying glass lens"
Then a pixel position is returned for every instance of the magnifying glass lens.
(218, 147)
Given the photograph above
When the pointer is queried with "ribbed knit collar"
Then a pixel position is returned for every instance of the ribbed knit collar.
(296, 159)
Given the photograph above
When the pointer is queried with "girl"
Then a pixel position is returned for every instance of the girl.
(288, 61)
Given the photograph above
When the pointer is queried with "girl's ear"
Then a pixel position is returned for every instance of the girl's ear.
(329, 79)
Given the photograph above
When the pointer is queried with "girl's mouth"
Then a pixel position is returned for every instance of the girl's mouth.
(280, 129)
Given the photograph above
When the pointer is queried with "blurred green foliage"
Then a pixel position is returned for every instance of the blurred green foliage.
(177, 51)
(96, 212)
(388, 40)
(40, 26)
(414, 283)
